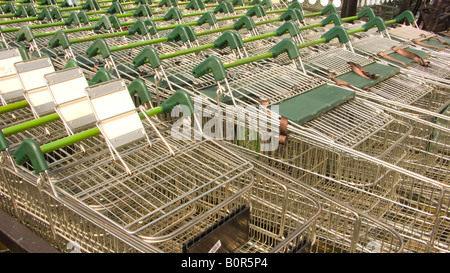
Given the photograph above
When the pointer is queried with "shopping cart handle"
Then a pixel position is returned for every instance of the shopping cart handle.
(102, 75)
(288, 27)
(138, 27)
(210, 1)
(91, 5)
(151, 26)
(104, 22)
(168, 3)
(336, 31)
(225, 7)
(9, 8)
(193, 4)
(213, 64)
(406, 15)
(257, 11)
(143, 2)
(70, 64)
(329, 8)
(83, 17)
(56, 13)
(238, 2)
(376, 21)
(137, 86)
(114, 21)
(143, 11)
(48, 2)
(173, 13)
(229, 38)
(3, 143)
(116, 7)
(366, 12)
(267, 3)
(21, 11)
(59, 39)
(207, 17)
(183, 33)
(31, 10)
(98, 46)
(246, 21)
(180, 97)
(292, 14)
(29, 150)
(288, 46)
(24, 34)
(45, 13)
(147, 54)
(296, 5)
(334, 17)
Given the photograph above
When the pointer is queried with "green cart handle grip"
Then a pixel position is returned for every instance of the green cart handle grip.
(21, 11)
(180, 97)
(255, 2)
(91, 5)
(173, 13)
(246, 21)
(224, 7)
(376, 21)
(114, 21)
(407, 15)
(288, 46)
(336, 31)
(31, 10)
(229, 38)
(56, 13)
(334, 17)
(289, 27)
(138, 27)
(207, 17)
(213, 64)
(168, 3)
(366, 12)
(29, 150)
(83, 17)
(71, 64)
(143, 10)
(147, 54)
(292, 14)
(9, 8)
(99, 46)
(238, 2)
(3, 143)
(24, 34)
(296, 5)
(48, 2)
(193, 5)
(102, 75)
(257, 11)
(104, 22)
(151, 26)
(267, 3)
(210, 1)
(116, 7)
(59, 39)
(183, 33)
(72, 19)
(66, 4)
(45, 13)
(137, 86)
(143, 2)
(329, 8)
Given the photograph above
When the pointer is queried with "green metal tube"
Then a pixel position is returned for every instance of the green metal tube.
(52, 146)
(29, 124)
(13, 106)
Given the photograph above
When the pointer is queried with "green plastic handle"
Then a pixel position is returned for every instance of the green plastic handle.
(213, 64)
(182, 32)
(147, 54)
(141, 11)
(138, 27)
(104, 22)
(193, 5)
(173, 13)
(45, 13)
(48, 2)
(151, 26)
(257, 11)
(329, 8)
(137, 86)
(59, 39)
(72, 19)
(9, 8)
(24, 34)
(366, 12)
(289, 27)
(102, 75)
(376, 21)
(246, 21)
(207, 17)
(91, 5)
(3, 143)
(336, 31)
(296, 5)
(286, 45)
(267, 3)
(29, 150)
(238, 2)
(31, 10)
(168, 3)
(334, 17)
(143, 2)
(83, 17)
(229, 38)
(180, 97)
(407, 15)
(98, 46)
(292, 14)
(71, 64)
(221, 8)
(116, 7)
(21, 11)
(114, 21)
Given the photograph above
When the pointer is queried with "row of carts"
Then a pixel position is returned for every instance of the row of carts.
(113, 127)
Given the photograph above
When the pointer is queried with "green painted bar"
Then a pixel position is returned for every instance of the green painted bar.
(29, 124)
(13, 106)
